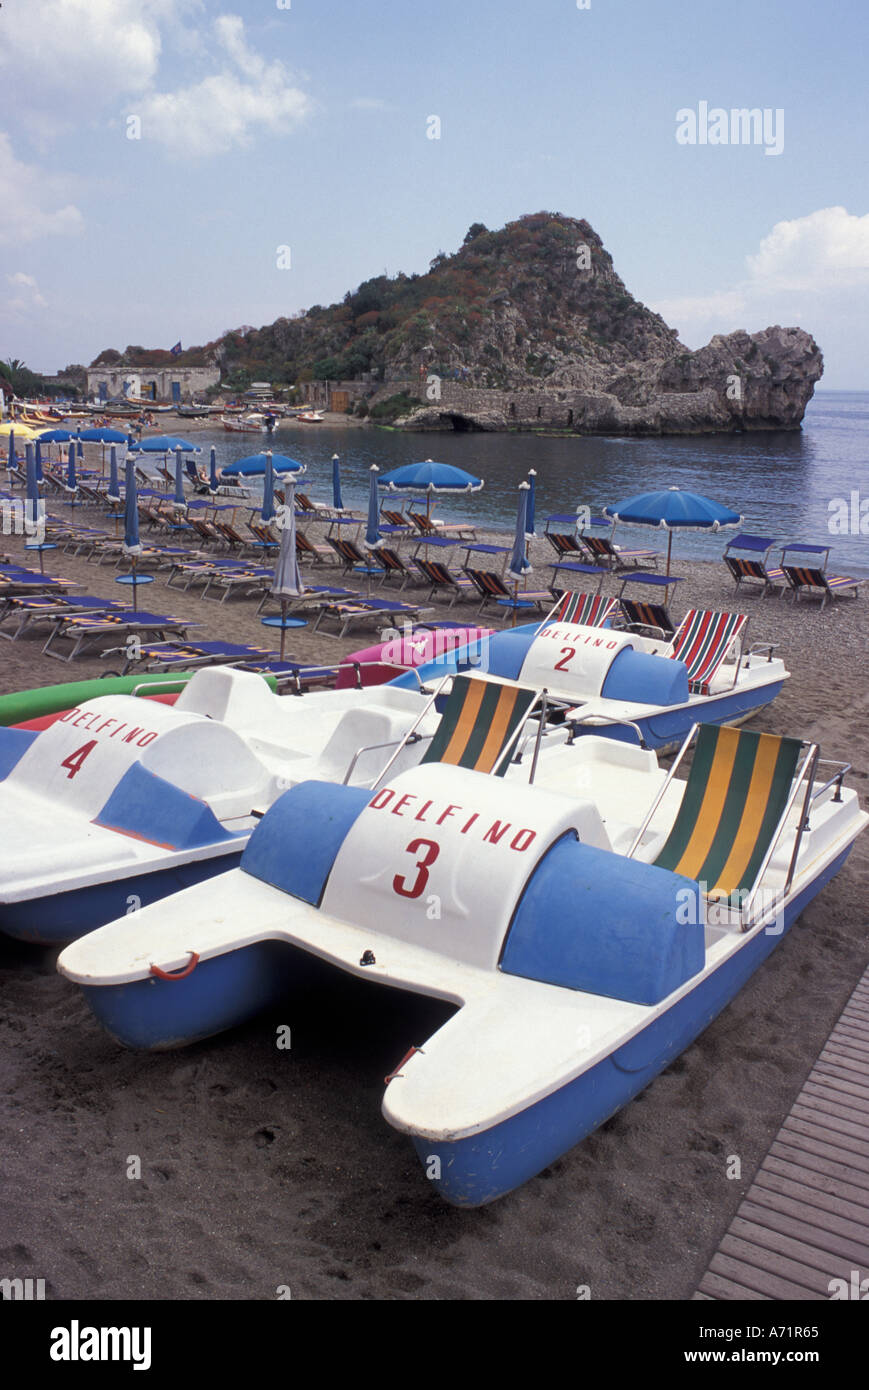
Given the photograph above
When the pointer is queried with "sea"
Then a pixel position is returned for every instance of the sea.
(809, 485)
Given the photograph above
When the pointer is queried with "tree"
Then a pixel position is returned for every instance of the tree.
(476, 229)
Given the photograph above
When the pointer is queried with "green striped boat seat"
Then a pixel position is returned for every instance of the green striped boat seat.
(702, 642)
(589, 610)
(735, 796)
(478, 722)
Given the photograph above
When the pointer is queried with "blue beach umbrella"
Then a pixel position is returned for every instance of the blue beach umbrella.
(164, 444)
(268, 509)
(673, 510)
(179, 499)
(373, 538)
(37, 447)
(519, 565)
(337, 499)
(131, 514)
(11, 461)
(212, 472)
(131, 524)
(114, 492)
(71, 484)
(255, 465)
(430, 477)
(104, 435)
(32, 505)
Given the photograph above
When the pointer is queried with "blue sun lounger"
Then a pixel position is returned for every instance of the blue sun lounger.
(33, 609)
(754, 568)
(348, 612)
(85, 630)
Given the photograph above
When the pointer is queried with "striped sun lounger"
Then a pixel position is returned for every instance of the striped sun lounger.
(804, 579)
(754, 568)
(32, 610)
(702, 642)
(734, 800)
(478, 724)
(589, 610)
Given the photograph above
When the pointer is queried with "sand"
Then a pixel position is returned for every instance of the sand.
(263, 1168)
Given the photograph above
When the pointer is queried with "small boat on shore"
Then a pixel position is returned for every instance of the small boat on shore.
(244, 424)
(122, 797)
(586, 924)
(310, 417)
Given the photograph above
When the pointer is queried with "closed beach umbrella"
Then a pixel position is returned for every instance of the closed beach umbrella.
(337, 499)
(674, 510)
(288, 582)
(530, 532)
(268, 510)
(131, 514)
(114, 492)
(373, 538)
(212, 472)
(520, 565)
(32, 507)
(37, 452)
(11, 461)
(71, 484)
(179, 499)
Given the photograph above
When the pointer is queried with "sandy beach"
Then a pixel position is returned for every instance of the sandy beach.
(262, 1167)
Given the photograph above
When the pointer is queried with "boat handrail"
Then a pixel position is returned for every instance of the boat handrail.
(602, 719)
(638, 838)
(836, 780)
(373, 747)
(412, 730)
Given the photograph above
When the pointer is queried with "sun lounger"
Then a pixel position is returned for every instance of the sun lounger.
(352, 558)
(564, 544)
(348, 612)
(602, 551)
(642, 617)
(86, 631)
(29, 611)
(492, 589)
(808, 578)
(309, 550)
(702, 642)
(313, 597)
(754, 568)
(427, 526)
(252, 579)
(589, 610)
(736, 801)
(442, 579)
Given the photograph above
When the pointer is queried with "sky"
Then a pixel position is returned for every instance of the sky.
(174, 169)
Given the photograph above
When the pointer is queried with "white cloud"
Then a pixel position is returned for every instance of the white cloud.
(801, 268)
(77, 56)
(29, 201)
(829, 248)
(26, 294)
(223, 111)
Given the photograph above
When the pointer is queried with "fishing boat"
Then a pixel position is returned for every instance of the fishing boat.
(122, 799)
(586, 915)
(245, 424)
(310, 417)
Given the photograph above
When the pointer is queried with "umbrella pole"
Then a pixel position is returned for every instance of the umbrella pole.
(669, 549)
(283, 626)
(133, 558)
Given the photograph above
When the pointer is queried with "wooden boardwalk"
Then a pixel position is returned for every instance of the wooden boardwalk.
(805, 1219)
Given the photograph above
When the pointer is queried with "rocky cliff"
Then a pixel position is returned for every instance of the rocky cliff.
(528, 327)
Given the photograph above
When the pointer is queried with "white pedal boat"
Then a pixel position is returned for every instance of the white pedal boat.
(123, 801)
(576, 937)
(621, 684)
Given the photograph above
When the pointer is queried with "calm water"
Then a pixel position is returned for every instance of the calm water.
(782, 483)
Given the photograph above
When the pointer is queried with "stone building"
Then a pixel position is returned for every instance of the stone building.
(175, 384)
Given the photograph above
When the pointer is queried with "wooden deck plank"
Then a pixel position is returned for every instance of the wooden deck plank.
(806, 1156)
(803, 1193)
(716, 1286)
(805, 1218)
(758, 1257)
(841, 1245)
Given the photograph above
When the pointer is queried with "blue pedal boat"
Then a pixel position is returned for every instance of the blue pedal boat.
(583, 943)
